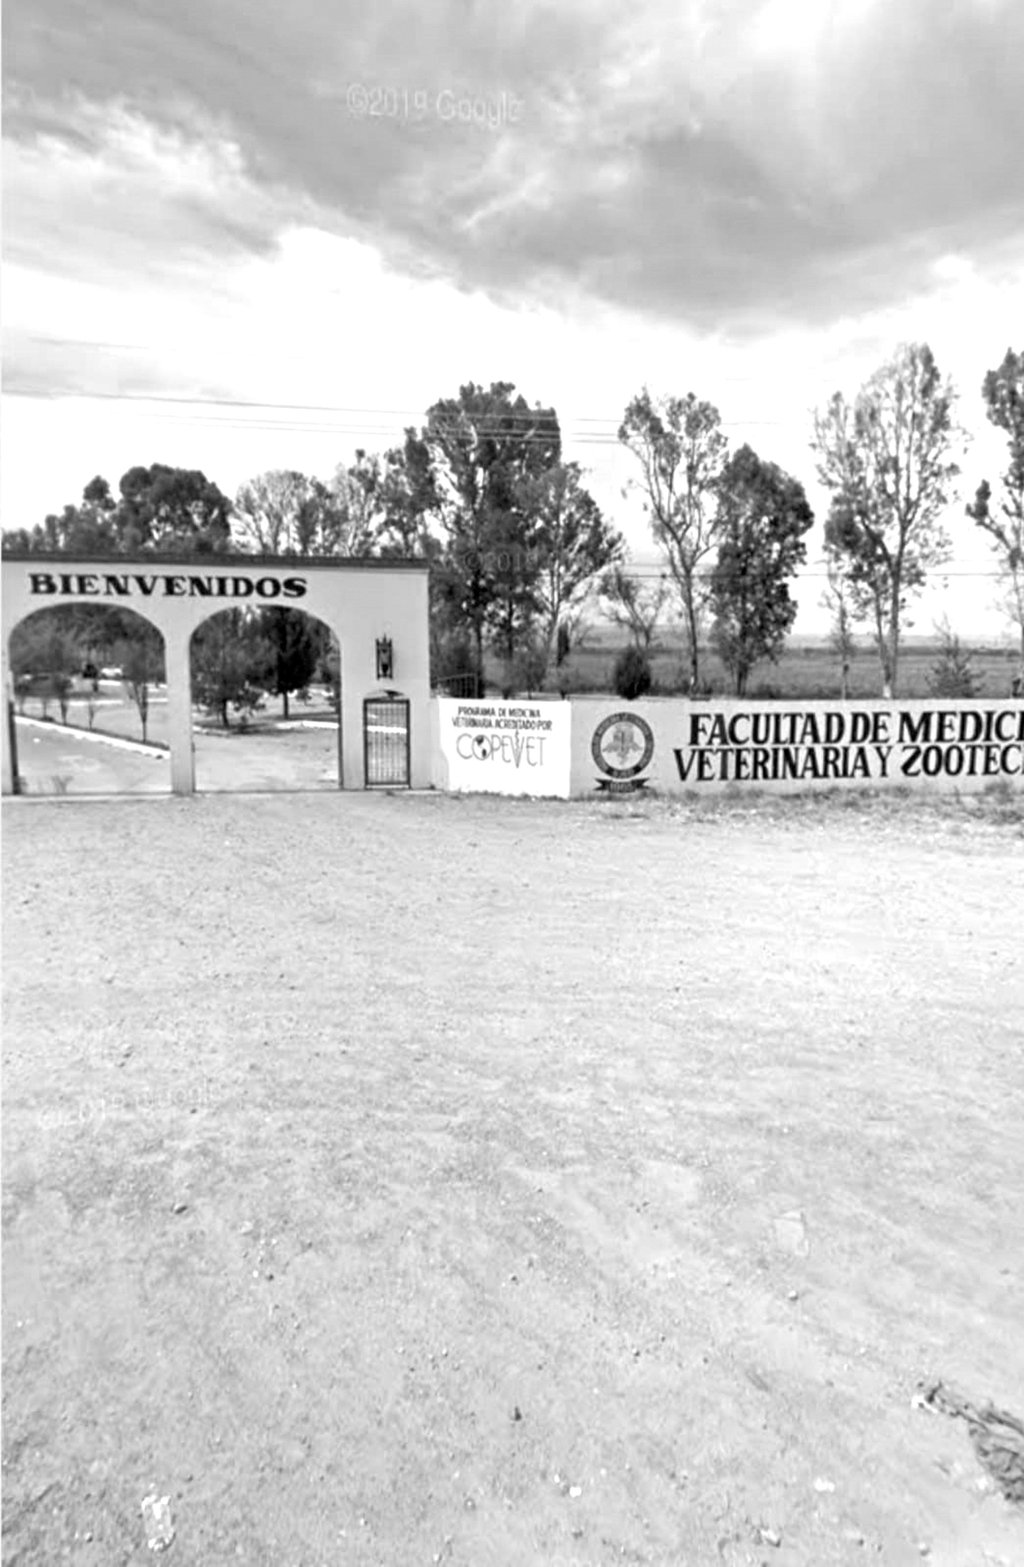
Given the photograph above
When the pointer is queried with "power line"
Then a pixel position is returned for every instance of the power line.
(487, 422)
(653, 573)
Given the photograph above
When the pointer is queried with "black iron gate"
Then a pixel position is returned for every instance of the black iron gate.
(12, 743)
(386, 742)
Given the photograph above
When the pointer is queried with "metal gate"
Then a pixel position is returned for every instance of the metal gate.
(386, 742)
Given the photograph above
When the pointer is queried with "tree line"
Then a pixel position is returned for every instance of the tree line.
(521, 553)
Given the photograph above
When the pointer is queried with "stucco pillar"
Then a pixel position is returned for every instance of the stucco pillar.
(179, 711)
(358, 679)
(5, 727)
(350, 720)
(423, 712)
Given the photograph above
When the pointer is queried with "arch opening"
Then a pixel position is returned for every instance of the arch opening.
(266, 701)
(89, 700)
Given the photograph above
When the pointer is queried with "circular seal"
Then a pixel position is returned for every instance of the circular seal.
(623, 745)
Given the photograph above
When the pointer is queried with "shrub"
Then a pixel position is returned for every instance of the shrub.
(952, 675)
(569, 679)
(632, 674)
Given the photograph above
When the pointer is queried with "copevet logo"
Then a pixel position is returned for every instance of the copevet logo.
(622, 748)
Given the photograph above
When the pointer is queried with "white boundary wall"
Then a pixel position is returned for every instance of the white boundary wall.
(679, 747)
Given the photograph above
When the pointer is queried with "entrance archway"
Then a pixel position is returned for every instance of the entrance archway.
(266, 701)
(370, 603)
(87, 703)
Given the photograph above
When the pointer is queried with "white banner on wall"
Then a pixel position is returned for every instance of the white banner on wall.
(506, 747)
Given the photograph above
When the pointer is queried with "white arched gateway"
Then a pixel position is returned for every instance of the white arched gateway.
(377, 609)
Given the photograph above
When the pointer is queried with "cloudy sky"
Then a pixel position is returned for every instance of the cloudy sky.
(241, 234)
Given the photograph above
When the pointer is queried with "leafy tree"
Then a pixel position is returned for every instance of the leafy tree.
(324, 525)
(679, 444)
(267, 511)
(167, 510)
(142, 663)
(62, 683)
(359, 512)
(29, 639)
(531, 667)
(575, 625)
(159, 510)
(284, 512)
(634, 605)
(295, 648)
(483, 446)
(887, 462)
(453, 666)
(45, 658)
(408, 498)
(20, 541)
(953, 675)
(363, 493)
(513, 565)
(632, 673)
(232, 664)
(574, 544)
(89, 528)
(842, 637)
(763, 517)
(1003, 391)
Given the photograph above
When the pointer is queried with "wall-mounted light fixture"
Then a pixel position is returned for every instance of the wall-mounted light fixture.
(385, 659)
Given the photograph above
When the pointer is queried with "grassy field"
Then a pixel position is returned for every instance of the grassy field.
(435, 1180)
(805, 669)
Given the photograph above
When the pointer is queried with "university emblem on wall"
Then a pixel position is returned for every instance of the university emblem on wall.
(622, 748)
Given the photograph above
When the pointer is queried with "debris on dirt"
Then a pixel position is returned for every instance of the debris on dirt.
(180, 1207)
(159, 1529)
(791, 1233)
(823, 1487)
(769, 1537)
(517, 1413)
(997, 1436)
(793, 1295)
(575, 1490)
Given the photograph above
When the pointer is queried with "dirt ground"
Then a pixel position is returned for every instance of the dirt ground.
(410, 1179)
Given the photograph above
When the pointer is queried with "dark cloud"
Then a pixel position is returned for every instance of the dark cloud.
(714, 183)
